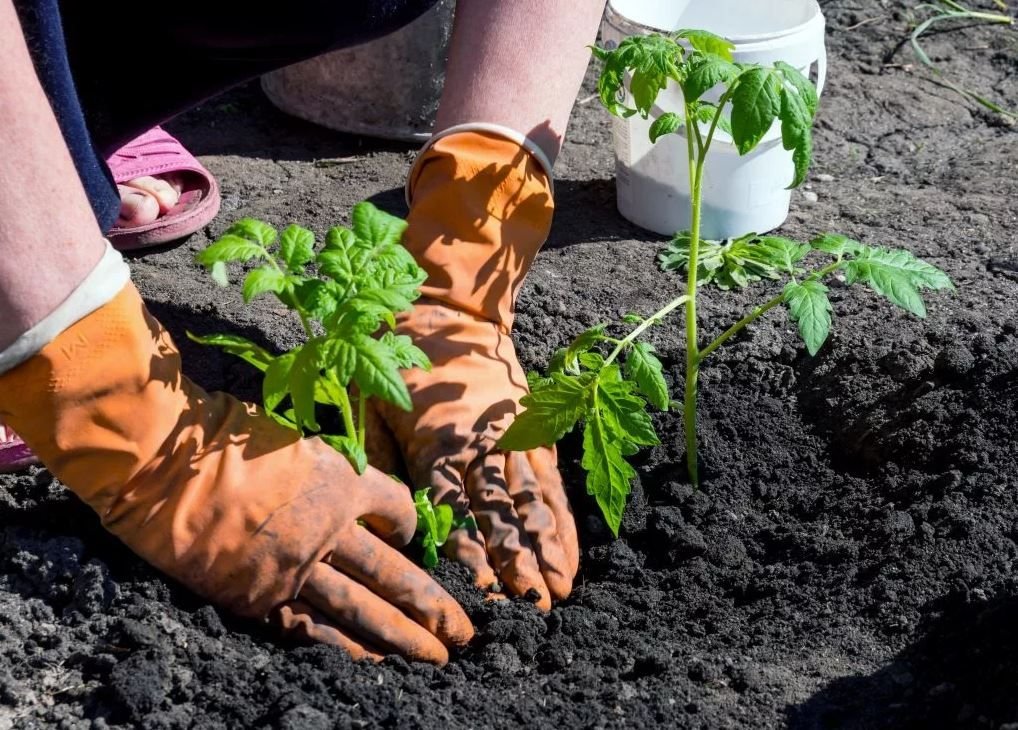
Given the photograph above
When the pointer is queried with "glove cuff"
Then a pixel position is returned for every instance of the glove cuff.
(104, 282)
(480, 209)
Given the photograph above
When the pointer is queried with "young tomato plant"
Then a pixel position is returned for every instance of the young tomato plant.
(584, 382)
(364, 277)
(434, 523)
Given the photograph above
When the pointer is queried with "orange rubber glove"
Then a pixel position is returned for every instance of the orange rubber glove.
(231, 504)
(480, 208)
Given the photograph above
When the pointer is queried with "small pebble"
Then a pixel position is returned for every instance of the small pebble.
(824, 177)
(810, 196)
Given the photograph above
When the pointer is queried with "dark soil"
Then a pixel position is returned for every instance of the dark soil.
(849, 562)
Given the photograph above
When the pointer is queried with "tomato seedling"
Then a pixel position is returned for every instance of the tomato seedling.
(434, 523)
(364, 278)
(584, 381)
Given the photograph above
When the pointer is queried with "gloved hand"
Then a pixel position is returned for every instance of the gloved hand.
(480, 208)
(231, 504)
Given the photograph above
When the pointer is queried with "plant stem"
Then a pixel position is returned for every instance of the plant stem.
(347, 411)
(696, 157)
(361, 425)
(761, 310)
(643, 327)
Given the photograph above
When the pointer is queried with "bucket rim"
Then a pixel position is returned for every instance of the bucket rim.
(748, 39)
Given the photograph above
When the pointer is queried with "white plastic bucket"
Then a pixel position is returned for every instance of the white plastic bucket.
(741, 194)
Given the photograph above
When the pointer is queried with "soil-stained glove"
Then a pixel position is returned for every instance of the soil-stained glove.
(480, 208)
(211, 491)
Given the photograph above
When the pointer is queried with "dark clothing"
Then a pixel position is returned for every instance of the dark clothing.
(112, 70)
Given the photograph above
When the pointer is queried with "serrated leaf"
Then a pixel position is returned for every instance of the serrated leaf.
(667, 123)
(376, 226)
(643, 368)
(835, 244)
(348, 447)
(796, 134)
(377, 373)
(536, 381)
(803, 87)
(407, 354)
(339, 356)
(583, 342)
(608, 473)
(632, 318)
(810, 308)
(782, 253)
(591, 360)
(253, 230)
(227, 249)
(336, 264)
(755, 105)
(624, 415)
(276, 383)
(707, 42)
(645, 85)
(339, 238)
(304, 374)
(391, 299)
(443, 523)
(240, 347)
(261, 280)
(317, 297)
(549, 413)
(704, 73)
(296, 247)
(896, 275)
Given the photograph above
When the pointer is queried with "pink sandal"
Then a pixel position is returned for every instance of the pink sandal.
(14, 454)
(154, 153)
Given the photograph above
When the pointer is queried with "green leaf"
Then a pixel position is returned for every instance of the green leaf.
(253, 230)
(406, 353)
(796, 133)
(590, 360)
(550, 413)
(645, 85)
(782, 253)
(276, 383)
(667, 123)
(220, 274)
(261, 280)
(623, 413)
(392, 299)
(608, 473)
(809, 306)
(229, 248)
(304, 374)
(704, 74)
(443, 523)
(339, 238)
(246, 350)
(336, 264)
(632, 318)
(536, 381)
(583, 342)
(318, 298)
(339, 357)
(755, 105)
(706, 42)
(896, 275)
(376, 226)
(806, 91)
(348, 447)
(835, 244)
(376, 372)
(296, 247)
(643, 368)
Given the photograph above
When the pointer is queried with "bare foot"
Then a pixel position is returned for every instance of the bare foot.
(144, 199)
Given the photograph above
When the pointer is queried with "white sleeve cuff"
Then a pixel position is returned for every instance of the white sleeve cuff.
(105, 281)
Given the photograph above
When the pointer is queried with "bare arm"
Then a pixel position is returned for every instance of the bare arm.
(49, 238)
(518, 63)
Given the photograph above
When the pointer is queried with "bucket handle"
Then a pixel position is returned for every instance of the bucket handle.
(821, 70)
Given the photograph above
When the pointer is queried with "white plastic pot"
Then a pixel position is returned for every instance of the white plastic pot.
(741, 194)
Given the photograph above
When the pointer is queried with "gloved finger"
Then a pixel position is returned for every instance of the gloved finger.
(544, 462)
(388, 507)
(388, 574)
(509, 548)
(300, 620)
(465, 544)
(357, 609)
(539, 522)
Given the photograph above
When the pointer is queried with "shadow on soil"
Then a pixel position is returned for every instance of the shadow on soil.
(960, 673)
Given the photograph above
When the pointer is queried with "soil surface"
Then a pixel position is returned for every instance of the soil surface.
(849, 562)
